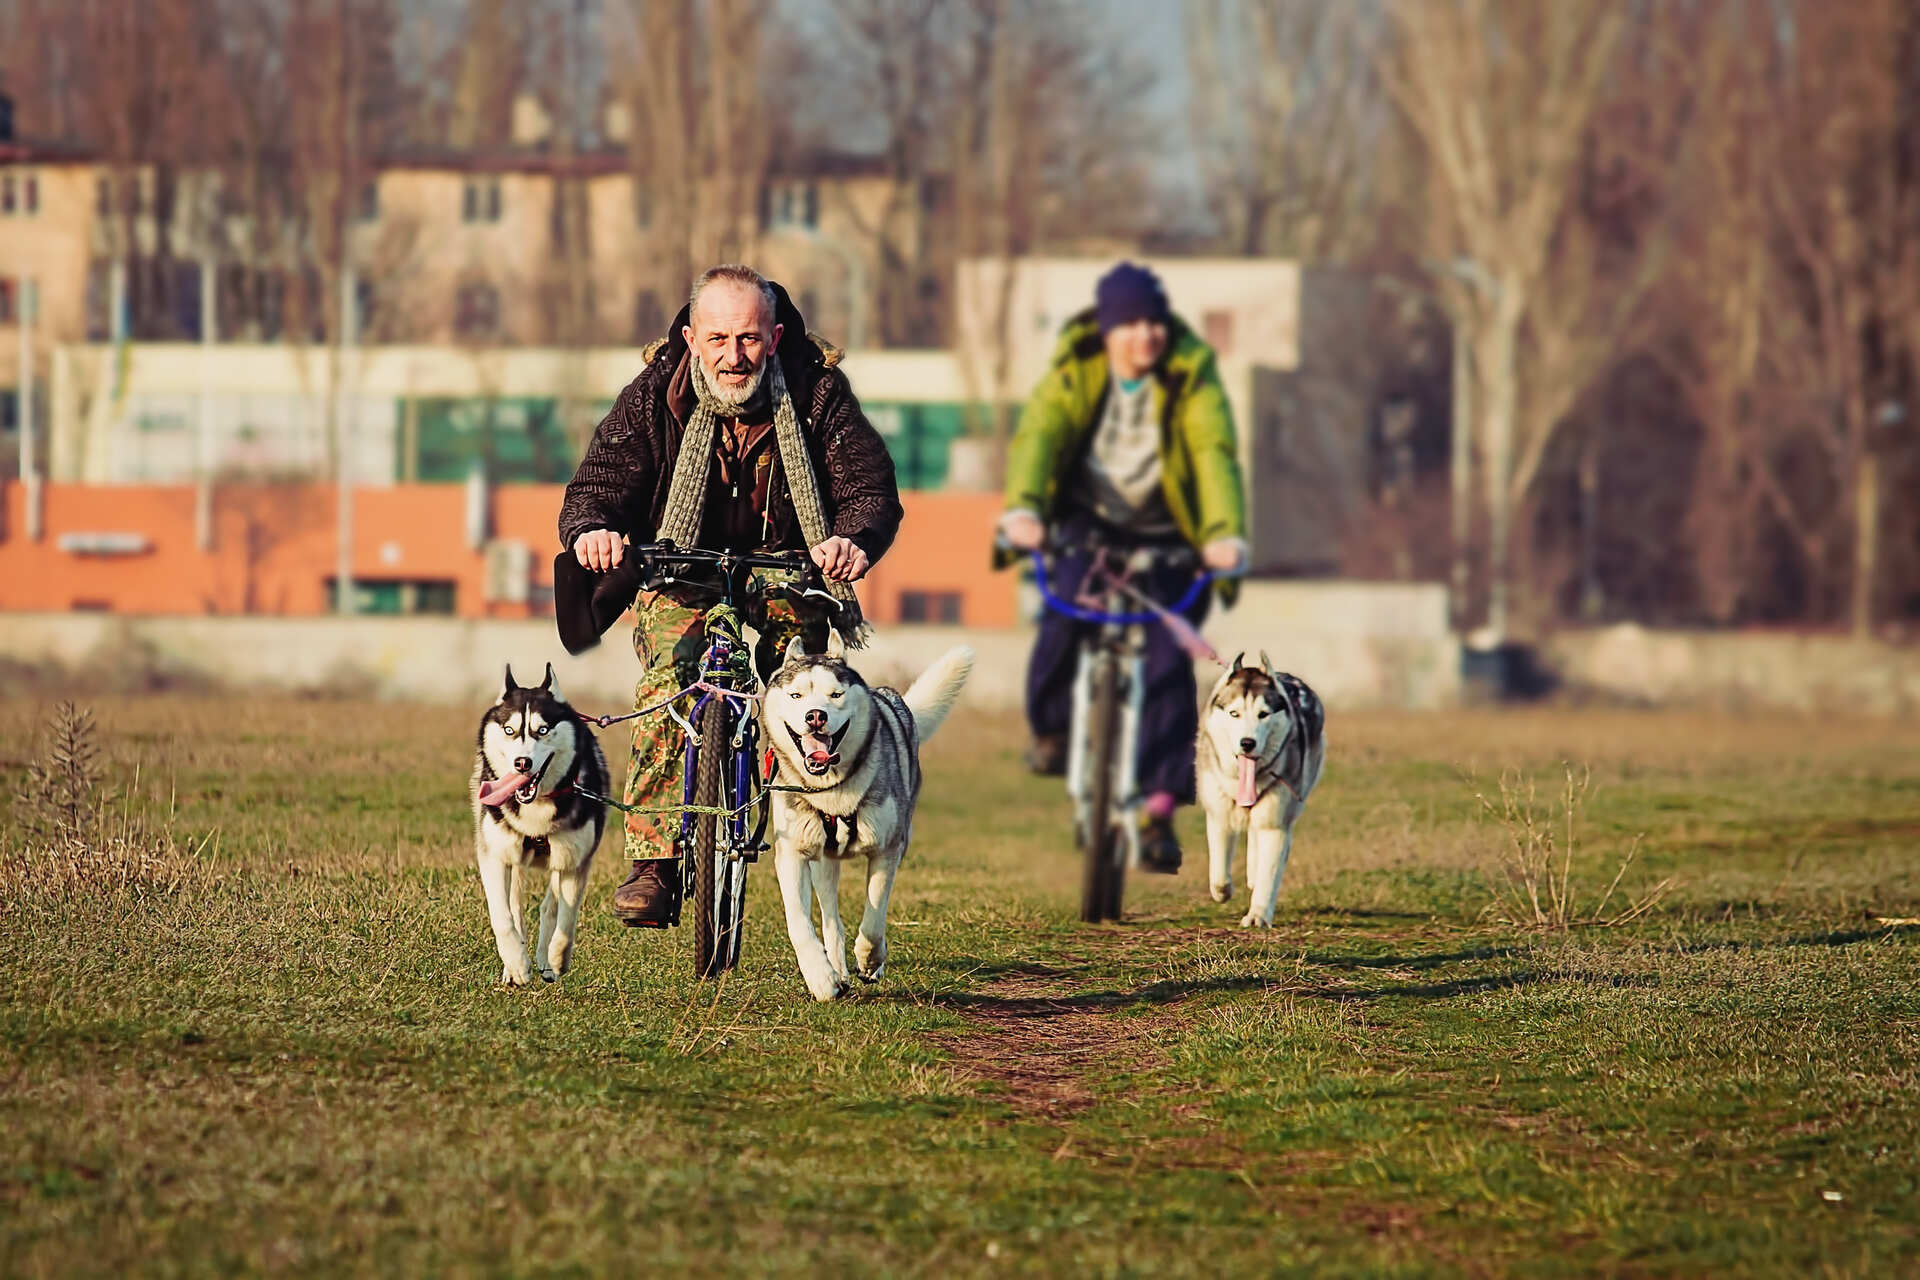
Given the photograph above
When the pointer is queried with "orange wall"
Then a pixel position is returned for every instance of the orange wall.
(274, 548)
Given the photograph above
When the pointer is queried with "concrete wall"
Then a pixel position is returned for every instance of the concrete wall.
(1357, 644)
(1739, 670)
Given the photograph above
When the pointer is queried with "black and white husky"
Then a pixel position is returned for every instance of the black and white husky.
(853, 749)
(533, 758)
(1261, 749)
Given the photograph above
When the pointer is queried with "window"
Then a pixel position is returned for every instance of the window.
(364, 306)
(9, 409)
(792, 204)
(9, 195)
(930, 606)
(9, 313)
(390, 596)
(370, 200)
(185, 291)
(480, 200)
(476, 311)
(642, 204)
(29, 193)
(103, 196)
(99, 291)
(273, 307)
(649, 317)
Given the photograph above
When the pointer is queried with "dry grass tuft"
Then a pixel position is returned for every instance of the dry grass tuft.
(1533, 876)
(68, 841)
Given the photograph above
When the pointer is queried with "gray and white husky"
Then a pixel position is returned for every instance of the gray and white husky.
(533, 758)
(854, 750)
(1261, 749)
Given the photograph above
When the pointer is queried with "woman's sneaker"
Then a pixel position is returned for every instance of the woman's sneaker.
(1159, 850)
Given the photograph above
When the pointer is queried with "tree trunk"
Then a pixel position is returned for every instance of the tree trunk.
(1866, 542)
(1501, 391)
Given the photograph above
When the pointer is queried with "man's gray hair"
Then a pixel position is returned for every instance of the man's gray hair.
(733, 273)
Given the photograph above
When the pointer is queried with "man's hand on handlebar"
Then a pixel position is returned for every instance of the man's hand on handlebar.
(599, 549)
(840, 560)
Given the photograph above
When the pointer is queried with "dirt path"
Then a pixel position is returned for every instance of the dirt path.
(1044, 1035)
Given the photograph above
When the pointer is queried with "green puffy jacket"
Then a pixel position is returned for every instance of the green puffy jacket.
(1199, 456)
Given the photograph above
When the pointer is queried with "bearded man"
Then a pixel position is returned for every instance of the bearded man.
(741, 434)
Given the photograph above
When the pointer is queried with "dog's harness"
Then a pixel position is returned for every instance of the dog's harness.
(829, 822)
(832, 824)
(540, 847)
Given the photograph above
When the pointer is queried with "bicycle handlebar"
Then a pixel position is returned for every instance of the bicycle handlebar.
(659, 556)
(1081, 613)
(665, 553)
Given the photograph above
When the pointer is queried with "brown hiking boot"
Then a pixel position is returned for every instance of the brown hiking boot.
(649, 898)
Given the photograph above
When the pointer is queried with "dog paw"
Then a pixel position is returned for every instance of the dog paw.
(872, 975)
(516, 973)
(1253, 921)
(549, 975)
(1221, 892)
(828, 992)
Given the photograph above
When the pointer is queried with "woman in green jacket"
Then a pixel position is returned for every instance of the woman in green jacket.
(1127, 441)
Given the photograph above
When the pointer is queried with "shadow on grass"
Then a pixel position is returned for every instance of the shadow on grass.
(1424, 961)
(995, 1007)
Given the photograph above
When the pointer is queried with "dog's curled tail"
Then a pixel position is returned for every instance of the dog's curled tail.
(938, 688)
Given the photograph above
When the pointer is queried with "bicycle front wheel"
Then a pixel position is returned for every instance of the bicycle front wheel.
(1101, 883)
(717, 891)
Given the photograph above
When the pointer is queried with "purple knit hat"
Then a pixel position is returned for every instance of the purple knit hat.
(1128, 293)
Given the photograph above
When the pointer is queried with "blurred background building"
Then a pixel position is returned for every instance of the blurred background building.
(1590, 312)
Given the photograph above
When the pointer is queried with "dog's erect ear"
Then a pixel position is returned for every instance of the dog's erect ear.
(796, 649)
(835, 645)
(552, 684)
(546, 681)
(508, 686)
(1266, 663)
(1237, 662)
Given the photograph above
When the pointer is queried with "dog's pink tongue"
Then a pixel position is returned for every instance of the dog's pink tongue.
(819, 750)
(500, 788)
(1249, 793)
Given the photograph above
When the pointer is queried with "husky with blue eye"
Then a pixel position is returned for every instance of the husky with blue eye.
(1262, 747)
(537, 778)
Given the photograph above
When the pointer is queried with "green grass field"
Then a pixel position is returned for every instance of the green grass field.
(296, 1060)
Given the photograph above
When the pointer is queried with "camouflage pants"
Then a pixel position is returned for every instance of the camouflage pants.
(670, 639)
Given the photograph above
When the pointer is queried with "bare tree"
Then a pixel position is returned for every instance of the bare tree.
(1504, 93)
(1850, 261)
(1721, 286)
(1287, 121)
(699, 145)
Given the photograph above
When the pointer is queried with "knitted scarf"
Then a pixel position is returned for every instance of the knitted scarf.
(687, 495)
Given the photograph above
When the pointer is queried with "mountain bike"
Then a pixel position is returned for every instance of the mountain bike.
(1108, 691)
(723, 808)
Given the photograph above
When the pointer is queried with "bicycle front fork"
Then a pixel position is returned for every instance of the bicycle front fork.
(1129, 690)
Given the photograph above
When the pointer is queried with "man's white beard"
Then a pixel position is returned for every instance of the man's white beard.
(731, 396)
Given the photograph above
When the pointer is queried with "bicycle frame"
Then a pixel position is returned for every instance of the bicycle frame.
(740, 832)
(1122, 641)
